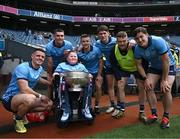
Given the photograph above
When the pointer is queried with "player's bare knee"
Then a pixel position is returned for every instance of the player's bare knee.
(30, 100)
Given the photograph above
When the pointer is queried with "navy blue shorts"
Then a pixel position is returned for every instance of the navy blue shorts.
(118, 75)
(108, 70)
(7, 104)
(172, 70)
(94, 81)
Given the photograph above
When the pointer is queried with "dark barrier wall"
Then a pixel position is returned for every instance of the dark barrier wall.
(20, 50)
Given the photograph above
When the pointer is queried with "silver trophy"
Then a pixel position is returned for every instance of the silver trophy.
(76, 80)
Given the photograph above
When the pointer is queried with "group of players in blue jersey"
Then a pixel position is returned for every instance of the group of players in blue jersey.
(149, 60)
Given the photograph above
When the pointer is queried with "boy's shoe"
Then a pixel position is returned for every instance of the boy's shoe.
(87, 114)
(165, 123)
(65, 117)
(110, 109)
(142, 117)
(97, 109)
(116, 111)
(120, 114)
(151, 119)
(19, 126)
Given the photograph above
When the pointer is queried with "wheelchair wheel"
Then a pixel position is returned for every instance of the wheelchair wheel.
(58, 113)
(91, 121)
(93, 113)
(62, 124)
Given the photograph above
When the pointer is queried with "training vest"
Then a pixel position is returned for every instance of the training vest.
(126, 62)
(175, 56)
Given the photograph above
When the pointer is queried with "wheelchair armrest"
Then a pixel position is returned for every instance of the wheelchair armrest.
(56, 80)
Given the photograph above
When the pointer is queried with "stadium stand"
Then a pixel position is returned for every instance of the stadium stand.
(36, 39)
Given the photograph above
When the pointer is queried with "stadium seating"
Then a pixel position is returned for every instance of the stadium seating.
(36, 39)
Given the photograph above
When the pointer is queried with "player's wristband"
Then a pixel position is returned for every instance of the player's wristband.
(40, 96)
(144, 78)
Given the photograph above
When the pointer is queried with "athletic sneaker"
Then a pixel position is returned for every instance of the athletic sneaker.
(151, 119)
(97, 109)
(110, 109)
(87, 113)
(116, 111)
(142, 117)
(120, 114)
(165, 123)
(19, 126)
(25, 120)
(65, 117)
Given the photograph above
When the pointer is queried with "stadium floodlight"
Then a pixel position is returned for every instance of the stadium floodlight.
(112, 26)
(163, 25)
(22, 19)
(127, 26)
(77, 25)
(43, 22)
(62, 24)
(7, 17)
(94, 25)
(145, 25)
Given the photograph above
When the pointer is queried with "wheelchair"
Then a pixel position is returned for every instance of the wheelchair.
(75, 84)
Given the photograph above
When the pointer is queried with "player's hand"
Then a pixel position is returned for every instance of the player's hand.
(147, 85)
(66, 52)
(165, 87)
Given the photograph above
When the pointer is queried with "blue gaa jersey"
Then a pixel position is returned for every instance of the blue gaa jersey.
(23, 71)
(65, 67)
(157, 46)
(57, 53)
(106, 49)
(91, 59)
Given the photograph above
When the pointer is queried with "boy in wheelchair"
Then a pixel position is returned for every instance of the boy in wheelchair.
(68, 88)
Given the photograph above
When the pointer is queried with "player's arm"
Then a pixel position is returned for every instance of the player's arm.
(44, 81)
(101, 63)
(24, 87)
(49, 68)
(165, 66)
(140, 68)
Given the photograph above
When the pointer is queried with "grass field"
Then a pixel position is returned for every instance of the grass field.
(140, 130)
